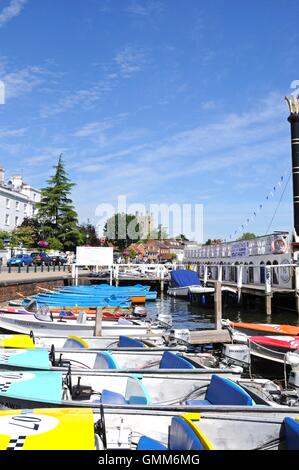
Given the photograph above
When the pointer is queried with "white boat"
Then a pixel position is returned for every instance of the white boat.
(185, 283)
(222, 428)
(142, 361)
(80, 327)
(216, 428)
(29, 389)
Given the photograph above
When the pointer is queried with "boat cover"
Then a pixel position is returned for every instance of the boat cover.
(184, 277)
(283, 342)
(267, 328)
(25, 358)
(16, 341)
(35, 386)
(47, 429)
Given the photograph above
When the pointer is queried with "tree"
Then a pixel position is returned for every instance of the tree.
(160, 233)
(56, 213)
(4, 235)
(215, 241)
(247, 236)
(89, 234)
(35, 227)
(122, 229)
(23, 235)
(182, 237)
(55, 244)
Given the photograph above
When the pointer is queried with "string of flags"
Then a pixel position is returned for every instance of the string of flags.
(259, 208)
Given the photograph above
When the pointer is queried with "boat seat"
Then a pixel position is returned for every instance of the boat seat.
(105, 360)
(126, 342)
(124, 321)
(81, 318)
(112, 398)
(75, 342)
(136, 394)
(146, 443)
(64, 313)
(223, 391)
(171, 360)
(183, 435)
(292, 433)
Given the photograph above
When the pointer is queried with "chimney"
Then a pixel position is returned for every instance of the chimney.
(17, 181)
(293, 119)
(2, 174)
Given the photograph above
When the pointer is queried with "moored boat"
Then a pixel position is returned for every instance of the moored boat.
(140, 361)
(91, 388)
(262, 329)
(87, 429)
(43, 325)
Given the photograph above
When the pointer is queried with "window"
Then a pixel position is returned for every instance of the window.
(7, 203)
(17, 206)
(16, 221)
(25, 208)
(7, 222)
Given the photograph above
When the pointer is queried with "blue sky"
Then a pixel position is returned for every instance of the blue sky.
(165, 101)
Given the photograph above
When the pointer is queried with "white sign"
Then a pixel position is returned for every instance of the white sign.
(94, 256)
(240, 249)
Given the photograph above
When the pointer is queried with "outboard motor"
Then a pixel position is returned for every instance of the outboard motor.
(178, 337)
(139, 311)
(236, 354)
(292, 358)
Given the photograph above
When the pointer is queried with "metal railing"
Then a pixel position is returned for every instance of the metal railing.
(129, 271)
(34, 268)
(283, 275)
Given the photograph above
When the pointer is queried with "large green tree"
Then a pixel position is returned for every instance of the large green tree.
(247, 236)
(89, 234)
(122, 229)
(56, 213)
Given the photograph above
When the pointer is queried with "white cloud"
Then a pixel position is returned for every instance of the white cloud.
(12, 132)
(145, 8)
(12, 10)
(130, 60)
(22, 81)
(126, 63)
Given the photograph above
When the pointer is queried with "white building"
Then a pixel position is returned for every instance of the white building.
(17, 201)
(253, 255)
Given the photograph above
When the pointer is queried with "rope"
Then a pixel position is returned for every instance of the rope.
(278, 203)
(273, 444)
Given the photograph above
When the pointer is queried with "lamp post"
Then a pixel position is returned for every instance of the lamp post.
(293, 102)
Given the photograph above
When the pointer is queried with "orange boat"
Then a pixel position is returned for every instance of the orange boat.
(262, 329)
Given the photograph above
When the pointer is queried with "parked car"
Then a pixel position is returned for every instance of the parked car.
(58, 260)
(20, 260)
(41, 258)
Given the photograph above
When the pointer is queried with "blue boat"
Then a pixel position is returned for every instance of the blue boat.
(181, 281)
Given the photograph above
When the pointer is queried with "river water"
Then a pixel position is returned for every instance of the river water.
(196, 316)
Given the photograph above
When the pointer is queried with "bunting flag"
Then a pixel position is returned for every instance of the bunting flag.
(260, 207)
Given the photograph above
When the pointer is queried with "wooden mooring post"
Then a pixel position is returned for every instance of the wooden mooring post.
(218, 335)
(98, 322)
(268, 291)
(218, 305)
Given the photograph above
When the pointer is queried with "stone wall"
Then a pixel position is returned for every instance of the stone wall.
(9, 290)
